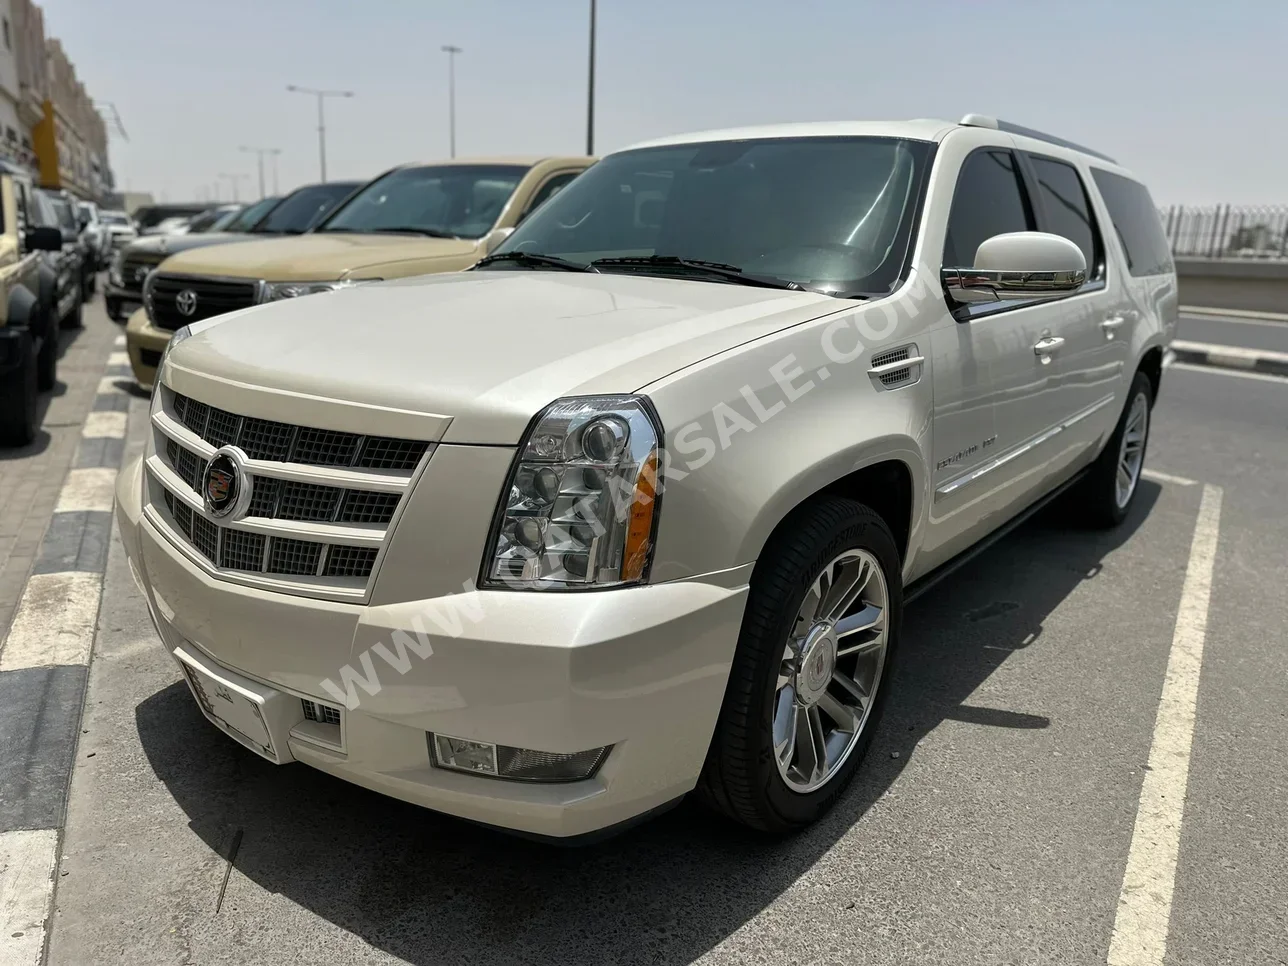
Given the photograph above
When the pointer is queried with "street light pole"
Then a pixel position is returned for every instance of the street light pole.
(451, 53)
(321, 96)
(261, 152)
(590, 87)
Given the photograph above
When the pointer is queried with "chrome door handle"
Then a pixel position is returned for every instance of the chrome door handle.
(1044, 347)
(1110, 324)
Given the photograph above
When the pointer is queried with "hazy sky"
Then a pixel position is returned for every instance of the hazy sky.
(1191, 95)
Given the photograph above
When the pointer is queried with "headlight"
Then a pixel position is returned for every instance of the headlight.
(179, 336)
(114, 273)
(290, 290)
(580, 507)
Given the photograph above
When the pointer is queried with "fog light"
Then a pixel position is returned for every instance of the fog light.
(515, 764)
(463, 755)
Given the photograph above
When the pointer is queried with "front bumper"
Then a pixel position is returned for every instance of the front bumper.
(120, 301)
(641, 669)
(145, 343)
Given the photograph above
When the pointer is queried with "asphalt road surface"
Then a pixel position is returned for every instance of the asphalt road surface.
(1247, 333)
(994, 821)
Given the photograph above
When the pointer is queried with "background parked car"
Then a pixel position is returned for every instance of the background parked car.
(120, 228)
(415, 219)
(28, 330)
(67, 294)
(68, 219)
(94, 234)
(292, 215)
(149, 217)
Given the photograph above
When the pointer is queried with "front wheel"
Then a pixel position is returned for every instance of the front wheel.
(19, 404)
(807, 684)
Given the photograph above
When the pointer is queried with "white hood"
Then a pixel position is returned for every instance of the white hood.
(488, 349)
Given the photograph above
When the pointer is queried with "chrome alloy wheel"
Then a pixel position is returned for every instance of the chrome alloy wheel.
(1131, 452)
(830, 670)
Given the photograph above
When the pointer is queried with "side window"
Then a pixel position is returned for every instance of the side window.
(989, 200)
(1136, 221)
(1067, 211)
(548, 191)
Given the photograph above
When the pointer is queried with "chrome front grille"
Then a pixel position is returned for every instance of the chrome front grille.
(321, 500)
(264, 439)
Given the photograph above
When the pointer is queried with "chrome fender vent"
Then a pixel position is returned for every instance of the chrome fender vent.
(896, 368)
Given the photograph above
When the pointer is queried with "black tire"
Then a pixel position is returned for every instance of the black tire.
(19, 411)
(47, 362)
(1097, 498)
(740, 778)
(76, 318)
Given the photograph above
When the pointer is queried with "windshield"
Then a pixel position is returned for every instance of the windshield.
(43, 212)
(462, 200)
(151, 215)
(207, 220)
(305, 207)
(834, 214)
(87, 212)
(115, 219)
(245, 218)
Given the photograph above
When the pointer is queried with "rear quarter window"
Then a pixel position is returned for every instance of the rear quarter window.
(1136, 222)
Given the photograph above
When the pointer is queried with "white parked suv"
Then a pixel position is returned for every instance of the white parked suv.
(632, 508)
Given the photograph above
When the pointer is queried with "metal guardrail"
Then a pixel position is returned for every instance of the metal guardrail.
(1227, 231)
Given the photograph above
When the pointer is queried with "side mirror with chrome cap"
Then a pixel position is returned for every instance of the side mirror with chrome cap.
(1019, 265)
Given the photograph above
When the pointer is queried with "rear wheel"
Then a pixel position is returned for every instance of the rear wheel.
(807, 684)
(18, 404)
(1105, 497)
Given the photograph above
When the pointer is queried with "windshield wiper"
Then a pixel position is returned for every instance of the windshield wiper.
(536, 258)
(409, 230)
(730, 273)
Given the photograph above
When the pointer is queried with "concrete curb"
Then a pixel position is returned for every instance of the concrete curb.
(44, 670)
(1234, 313)
(1231, 357)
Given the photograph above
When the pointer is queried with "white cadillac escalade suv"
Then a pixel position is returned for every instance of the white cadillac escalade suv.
(631, 509)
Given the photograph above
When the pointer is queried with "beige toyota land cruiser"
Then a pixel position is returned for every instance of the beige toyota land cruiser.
(413, 220)
(631, 509)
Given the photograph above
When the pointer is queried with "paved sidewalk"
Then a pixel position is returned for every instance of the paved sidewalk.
(55, 525)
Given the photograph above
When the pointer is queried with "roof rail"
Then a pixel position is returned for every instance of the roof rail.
(983, 120)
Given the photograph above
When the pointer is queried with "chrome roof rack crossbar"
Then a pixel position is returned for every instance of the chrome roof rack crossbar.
(983, 120)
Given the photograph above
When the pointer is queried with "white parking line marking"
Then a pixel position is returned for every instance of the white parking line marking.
(26, 890)
(118, 359)
(1278, 322)
(54, 624)
(1160, 477)
(111, 384)
(109, 424)
(119, 342)
(1145, 902)
(1238, 374)
(88, 489)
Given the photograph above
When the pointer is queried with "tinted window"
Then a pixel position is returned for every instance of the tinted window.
(206, 220)
(1136, 221)
(832, 214)
(1067, 210)
(989, 200)
(303, 209)
(456, 200)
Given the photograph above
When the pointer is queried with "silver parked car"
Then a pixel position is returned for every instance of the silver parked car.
(631, 509)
